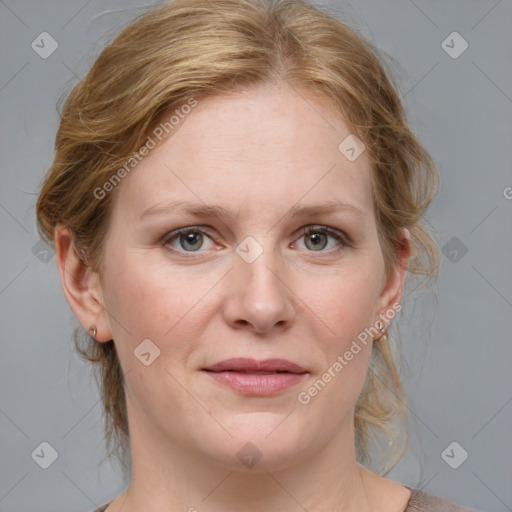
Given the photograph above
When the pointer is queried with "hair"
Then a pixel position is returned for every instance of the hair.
(201, 48)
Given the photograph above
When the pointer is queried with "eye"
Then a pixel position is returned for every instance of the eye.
(189, 239)
(317, 238)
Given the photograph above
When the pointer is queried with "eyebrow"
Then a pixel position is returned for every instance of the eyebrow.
(204, 210)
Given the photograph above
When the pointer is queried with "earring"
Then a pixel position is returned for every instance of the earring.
(383, 329)
(384, 336)
(381, 326)
(93, 330)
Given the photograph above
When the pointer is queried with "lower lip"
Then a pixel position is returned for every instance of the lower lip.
(257, 384)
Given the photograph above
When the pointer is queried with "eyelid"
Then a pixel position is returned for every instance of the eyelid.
(312, 228)
(342, 238)
(175, 233)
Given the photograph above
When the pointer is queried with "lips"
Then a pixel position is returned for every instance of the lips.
(253, 366)
(257, 378)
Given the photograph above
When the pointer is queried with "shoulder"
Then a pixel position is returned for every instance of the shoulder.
(102, 509)
(418, 502)
(423, 502)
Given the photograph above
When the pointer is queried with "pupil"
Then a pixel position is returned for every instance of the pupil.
(316, 239)
(192, 239)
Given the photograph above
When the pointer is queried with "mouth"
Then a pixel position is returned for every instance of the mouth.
(256, 378)
(265, 366)
(248, 372)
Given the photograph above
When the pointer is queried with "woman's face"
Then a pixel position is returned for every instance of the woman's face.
(246, 282)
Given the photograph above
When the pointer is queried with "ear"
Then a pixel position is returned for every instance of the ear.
(389, 300)
(81, 285)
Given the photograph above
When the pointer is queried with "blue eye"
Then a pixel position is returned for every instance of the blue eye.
(317, 238)
(192, 239)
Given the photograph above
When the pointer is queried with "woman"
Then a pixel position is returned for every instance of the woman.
(235, 202)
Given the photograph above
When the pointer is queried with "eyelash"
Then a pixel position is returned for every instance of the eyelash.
(341, 237)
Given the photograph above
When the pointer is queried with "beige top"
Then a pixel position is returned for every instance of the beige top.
(418, 502)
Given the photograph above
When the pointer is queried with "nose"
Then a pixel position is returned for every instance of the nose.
(258, 297)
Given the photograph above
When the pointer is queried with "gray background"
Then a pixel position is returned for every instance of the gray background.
(458, 349)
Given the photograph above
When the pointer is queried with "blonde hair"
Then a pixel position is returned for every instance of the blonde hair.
(198, 48)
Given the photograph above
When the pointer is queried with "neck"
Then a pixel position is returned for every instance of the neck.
(167, 477)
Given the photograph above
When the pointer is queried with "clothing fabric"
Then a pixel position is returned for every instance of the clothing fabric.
(418, 502)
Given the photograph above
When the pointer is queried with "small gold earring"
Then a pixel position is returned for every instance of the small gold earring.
(93, 330)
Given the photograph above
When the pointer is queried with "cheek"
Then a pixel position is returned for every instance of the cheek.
(345, 351)
(346, 302)
(147, 300)
(346, 306)
(147, 303)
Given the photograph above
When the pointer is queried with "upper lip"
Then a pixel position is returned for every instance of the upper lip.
(265, 365)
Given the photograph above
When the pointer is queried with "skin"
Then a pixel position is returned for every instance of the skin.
(257, 153)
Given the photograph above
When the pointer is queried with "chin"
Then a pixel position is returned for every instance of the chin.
(261, 442)
(250, 457)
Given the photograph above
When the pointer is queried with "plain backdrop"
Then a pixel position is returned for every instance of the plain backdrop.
(457, 341)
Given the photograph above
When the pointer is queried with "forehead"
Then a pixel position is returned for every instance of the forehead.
(250, 149)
